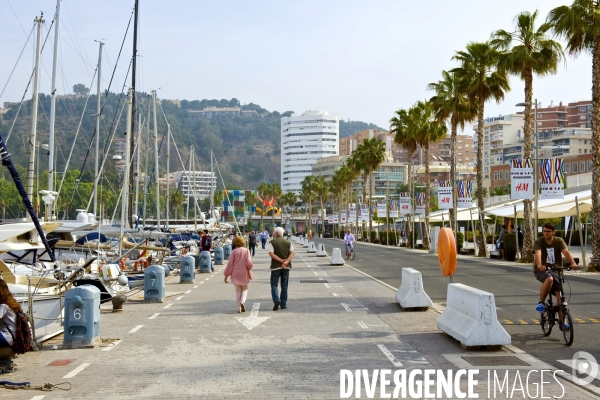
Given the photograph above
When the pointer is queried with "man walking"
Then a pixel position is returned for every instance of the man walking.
(252, 242)
(206, 244)
(263, 238)
(281, 252)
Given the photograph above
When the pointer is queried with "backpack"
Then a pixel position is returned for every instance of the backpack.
(23, 338)
(207, 242)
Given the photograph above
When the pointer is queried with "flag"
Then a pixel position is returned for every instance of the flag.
(521, 179)
(464, 191)
(444, 195)
(552, 178)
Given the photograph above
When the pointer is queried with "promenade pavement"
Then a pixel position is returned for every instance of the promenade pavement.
(196, 346)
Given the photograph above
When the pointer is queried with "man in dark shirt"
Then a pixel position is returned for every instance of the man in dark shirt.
(206, 244)
(252, 242)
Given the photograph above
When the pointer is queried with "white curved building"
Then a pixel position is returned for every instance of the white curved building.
(305, 138)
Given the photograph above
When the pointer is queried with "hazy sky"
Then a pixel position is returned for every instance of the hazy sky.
(360, 59)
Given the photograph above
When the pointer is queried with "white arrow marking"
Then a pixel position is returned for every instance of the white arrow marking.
(390, 356)
(253, 320)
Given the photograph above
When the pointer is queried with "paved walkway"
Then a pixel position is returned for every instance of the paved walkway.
(194, 345)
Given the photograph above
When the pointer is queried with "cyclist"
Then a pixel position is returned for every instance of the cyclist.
(348, 240)
(549, 251)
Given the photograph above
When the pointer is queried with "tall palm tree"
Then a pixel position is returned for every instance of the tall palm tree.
(321, 190)
(428, 130)
(526, 51)
(263, 191)
(250, 200)
(354, 169)
(275, 192)
(451, 103)
(483, 81)
(176, 199)
(404, 126)
(579, 24)
(308, 192)
(289, 199)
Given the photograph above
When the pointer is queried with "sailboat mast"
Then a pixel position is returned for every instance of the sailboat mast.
(212, 190)
(53, 109)
(146, 158)
(137, 167)
(189, 186)
(124, 210)
(34, 109)
(156, 161)
(194, 178)
(98, 94)
(133, 109)
(168, 178)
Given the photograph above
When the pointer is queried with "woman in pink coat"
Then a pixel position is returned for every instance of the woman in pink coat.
(239, 268)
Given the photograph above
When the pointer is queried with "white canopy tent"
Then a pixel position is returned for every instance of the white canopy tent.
(548, 208)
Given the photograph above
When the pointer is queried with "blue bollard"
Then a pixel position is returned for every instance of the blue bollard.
(226, 251)
(218, 256)
(82, 317)
(154, 284)
(204, 261)
(187, 271)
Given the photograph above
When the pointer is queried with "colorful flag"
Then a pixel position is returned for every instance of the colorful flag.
(445, 195)
(521, 179)
(381, 208)
(464, 191)
(552, 178)
(420, 203)
(394, 209)
(404, 203)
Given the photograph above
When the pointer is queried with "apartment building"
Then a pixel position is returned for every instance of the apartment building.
(196, 183)
(579, 114)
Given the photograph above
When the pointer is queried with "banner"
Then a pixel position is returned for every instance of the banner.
(521, 179)
(394, 209)
(465, 191)
(330, 219)
(381, 208)
(352, 217)
(364, 212)
(552, 178)
(313, 220)
(444, 195)
(420, 204)
(336, 219)
(343, 217)
(405, 206)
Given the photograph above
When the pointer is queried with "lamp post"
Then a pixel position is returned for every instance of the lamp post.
(536, 171)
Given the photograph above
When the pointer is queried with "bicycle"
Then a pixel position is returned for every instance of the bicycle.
(350, 253)
(551, 314)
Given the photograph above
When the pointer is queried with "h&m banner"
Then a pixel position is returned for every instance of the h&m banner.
(444, 195)
(420, 203)
(352, 217)
(394, 205)
(521, 179)
(381, 208)
(552, 178)
(464, 191)
(336, 219)
(405, 206)
(343, 217)
(364, 212)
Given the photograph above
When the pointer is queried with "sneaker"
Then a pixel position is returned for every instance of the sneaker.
(283, 307)
(243, 307)
(560, 326)
(540, 307)
(276, 305)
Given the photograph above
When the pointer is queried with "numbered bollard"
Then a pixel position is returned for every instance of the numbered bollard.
(154, 284)
(205, 261)
(218, 254)
(187, 270)
(82, 317)
(226, 251)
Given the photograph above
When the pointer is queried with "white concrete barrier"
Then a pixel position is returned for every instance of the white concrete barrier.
(311, 248)
(336, 257)
(411, 294)
(470, 317)
(305, 243)
(321, 251)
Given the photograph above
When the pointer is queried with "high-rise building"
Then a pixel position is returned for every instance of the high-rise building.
(196, 183)
(305, 138)
(579, 114)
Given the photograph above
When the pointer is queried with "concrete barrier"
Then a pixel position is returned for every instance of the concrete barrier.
(321, 251)
(336, 257)
(305, 242)
(470, 317)
(411, 293)
(311, 248)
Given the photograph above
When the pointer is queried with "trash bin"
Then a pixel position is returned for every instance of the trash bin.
(82, 317)
(154, 284)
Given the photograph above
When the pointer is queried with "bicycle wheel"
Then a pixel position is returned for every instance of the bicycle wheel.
(567, 332)
(347, 255)
(546, 320)
(352, 254)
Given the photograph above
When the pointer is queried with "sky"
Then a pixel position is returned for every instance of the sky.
(361, 60)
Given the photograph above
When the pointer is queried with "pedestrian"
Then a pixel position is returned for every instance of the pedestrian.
(252, 242)
(233, 246)
(263, 238)
(206, 245)
(281, 252)
(520, 241)
(8, 316)
(501, 241)
(239, 267)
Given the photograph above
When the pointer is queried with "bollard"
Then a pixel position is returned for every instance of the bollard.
(305, 243)
(117, 302)
(336, 257)
(205, 261)
(321, 252)
(154, 284)
(218, 256)
(187, 271)
(226, 251)
(311, 248)
(82, 317)
(411, 294)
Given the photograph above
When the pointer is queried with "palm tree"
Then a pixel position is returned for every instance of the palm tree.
(354, 168)
(403, 126)
(289, 199)
(579, 24)
(250, 200)
(308, 195)
(451, 103)
(176, 199)
(263, 191)
(524, 52)
(321, 190)
(276, 193)
(482, 81)
(428, 130)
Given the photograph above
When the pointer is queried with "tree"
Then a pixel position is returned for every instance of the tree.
(80, 88)
(526, 51)
(451, 103)
(250, 200)
(579, 24)
(289, 199)
(263, 191)
(482, 81)
(276, 193)
(177, 198)
(308, 195)
(321, 190)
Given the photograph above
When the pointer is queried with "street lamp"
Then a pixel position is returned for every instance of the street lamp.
(535, 167)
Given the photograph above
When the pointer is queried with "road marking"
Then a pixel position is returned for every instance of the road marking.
(581, 321)
(179, 298)
(137, 328)
(253, 320)
(309, 266)
(76, 371)
(327, 285)
(594, 320)
(109, 348)
(335, 294)
(40, 397)
(316, 273)
(207, 279)
(508, 322)
(346, 307)
(154, 316)
(523, 322)
(195, 287)
(390, 356)
(362, 324)
(534, 291)
(201, 283)
(189, 291)
(168, 305)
